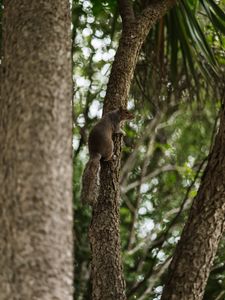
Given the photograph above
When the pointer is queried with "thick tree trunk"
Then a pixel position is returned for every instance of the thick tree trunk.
(190, 267)
(107, 276)
(36, 257)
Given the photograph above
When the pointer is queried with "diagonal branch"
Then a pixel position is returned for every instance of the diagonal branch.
(126, 12)
(148, 177)
(155, 276)
(129, 47)
(154, 11)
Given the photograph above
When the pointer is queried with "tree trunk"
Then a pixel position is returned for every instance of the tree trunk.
(36, 257)
(190, 267)
(107, 276)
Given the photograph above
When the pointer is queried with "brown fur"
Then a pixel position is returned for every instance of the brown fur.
(101, 146)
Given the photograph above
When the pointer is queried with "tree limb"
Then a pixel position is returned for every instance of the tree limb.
(154, 11)
(126, 12)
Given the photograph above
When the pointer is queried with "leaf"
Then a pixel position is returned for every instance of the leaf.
(218, 11)
(103, 7)
(197, 34)
(218, 23)
(184, 42)
(173, 39)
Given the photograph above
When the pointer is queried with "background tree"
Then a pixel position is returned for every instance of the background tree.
(36, 258)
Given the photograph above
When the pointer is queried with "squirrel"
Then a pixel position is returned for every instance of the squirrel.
(100, 145)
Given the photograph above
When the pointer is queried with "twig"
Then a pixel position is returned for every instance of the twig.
(151, 127)
(147, 242)
(163, 237)
(138, 198)
(220, 296)
(151, 175)
(160, 270)
(185, 198)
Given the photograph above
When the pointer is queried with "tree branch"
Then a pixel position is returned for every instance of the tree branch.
(129, 47)
(147, 244)
(150, 127)
(126, 12)
(154, 11)
(151, 175)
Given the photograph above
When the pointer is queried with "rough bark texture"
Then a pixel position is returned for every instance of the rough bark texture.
(134, 34)
(36, 257)
(107, 275)
(190, 267)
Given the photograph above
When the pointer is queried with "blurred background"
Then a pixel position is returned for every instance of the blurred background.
(176, 98)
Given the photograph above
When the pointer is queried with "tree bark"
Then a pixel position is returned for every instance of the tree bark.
(36, 257)
(190, 267)
(107, 275)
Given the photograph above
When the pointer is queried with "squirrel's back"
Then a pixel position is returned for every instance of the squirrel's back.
(100, 138)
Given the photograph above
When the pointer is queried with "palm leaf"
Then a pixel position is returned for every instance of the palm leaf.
(186, 38)
(215, 14)
(217, 10)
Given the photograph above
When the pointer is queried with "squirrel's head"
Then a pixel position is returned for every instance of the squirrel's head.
(125, 114)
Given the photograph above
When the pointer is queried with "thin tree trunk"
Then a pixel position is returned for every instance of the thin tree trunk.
(190, 267)
(107, 275)
(36, 257)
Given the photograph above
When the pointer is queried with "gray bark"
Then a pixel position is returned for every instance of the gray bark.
(36, 257)
(195, 252)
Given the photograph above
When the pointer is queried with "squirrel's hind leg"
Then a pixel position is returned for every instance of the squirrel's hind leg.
(109, 153)
(108, 158)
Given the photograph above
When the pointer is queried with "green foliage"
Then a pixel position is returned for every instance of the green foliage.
(215, 14)
(102, 8)
(176, 100)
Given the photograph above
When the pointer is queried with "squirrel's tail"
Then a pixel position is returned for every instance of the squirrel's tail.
(90, 180)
